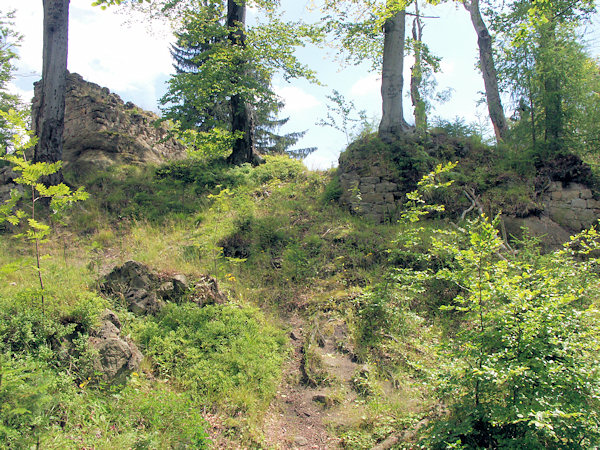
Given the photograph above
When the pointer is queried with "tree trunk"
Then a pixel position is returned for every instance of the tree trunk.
(488, 69)
(416, 74)
(392, 118)
(551, 97)
(49, 121)
(241, 113)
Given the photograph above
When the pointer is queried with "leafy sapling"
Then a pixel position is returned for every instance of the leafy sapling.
(343, 116)
(60, 197)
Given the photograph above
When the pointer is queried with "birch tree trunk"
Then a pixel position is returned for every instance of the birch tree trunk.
(49, 121)
(488, 69)
(392, 119)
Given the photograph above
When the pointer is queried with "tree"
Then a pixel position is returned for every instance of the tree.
(416, 73)
(343, 116)
(422, 82)
(234, 63)
(522, 369)
(48, 121)
(242, 118)
(9, 39)
(488, 70)
(549, 75)
(189, 100)
(392, 75)
(356, 28)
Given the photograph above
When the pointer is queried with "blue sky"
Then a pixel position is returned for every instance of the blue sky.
(130, 56)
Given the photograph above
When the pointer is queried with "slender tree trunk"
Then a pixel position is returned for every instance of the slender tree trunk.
(532, 113)
(488, 69)
(392, 118)
(241, 113)
(416, 74)
(552, 97)
(49, 121)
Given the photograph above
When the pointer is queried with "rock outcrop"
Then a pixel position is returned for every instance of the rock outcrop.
(117, 356)
(374, 177)
(102, 130)
(145, 291)
(136, 285)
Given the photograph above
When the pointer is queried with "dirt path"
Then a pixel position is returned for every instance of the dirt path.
(301, 416)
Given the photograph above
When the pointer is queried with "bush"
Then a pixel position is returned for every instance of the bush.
(521, 371)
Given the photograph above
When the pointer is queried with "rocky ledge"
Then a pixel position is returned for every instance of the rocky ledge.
(102, 130)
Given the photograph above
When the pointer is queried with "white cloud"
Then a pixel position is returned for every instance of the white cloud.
(369, 85)
(296, 99)
(322, 159)
(126, 58)
(447, 67)
(24, 95)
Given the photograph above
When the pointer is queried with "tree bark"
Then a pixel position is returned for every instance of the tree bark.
(552, 97)
(416, 74)
(488, 69)
(48, 122)
(392, 119)
(241, 112)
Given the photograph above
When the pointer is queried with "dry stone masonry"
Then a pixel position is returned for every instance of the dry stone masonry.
(377, 197)
(572, 205)
(102, 130)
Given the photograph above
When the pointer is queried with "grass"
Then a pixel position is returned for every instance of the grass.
(277, 242)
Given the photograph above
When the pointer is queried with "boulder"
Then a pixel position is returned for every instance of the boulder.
(145, 291)
(550, 234)
(117, 356)
(137, 285)
(206, 292)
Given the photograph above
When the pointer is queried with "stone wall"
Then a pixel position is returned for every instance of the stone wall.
(370, 190)
(571, 205)
(376, 196)
(102, 130)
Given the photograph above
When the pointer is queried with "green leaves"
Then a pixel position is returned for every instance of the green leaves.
(416, 207)
(520, 367)
(526, 352)
(60, 196)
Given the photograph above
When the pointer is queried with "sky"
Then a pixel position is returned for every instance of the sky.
(130, 55)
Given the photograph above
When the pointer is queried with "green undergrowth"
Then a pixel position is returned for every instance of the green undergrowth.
(278, 244)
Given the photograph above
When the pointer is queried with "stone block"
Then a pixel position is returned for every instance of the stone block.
(367, 188)
(591, 203)
(570, 194)
(370, 180)
(587, 216)
(556, 195)
(555, 186)
(386, 186)
(388, 197)
(372, 198)
(365, 207)
(585, 193)
(562, 216)
(579, 203)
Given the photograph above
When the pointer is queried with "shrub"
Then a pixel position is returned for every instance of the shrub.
(522, 369)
